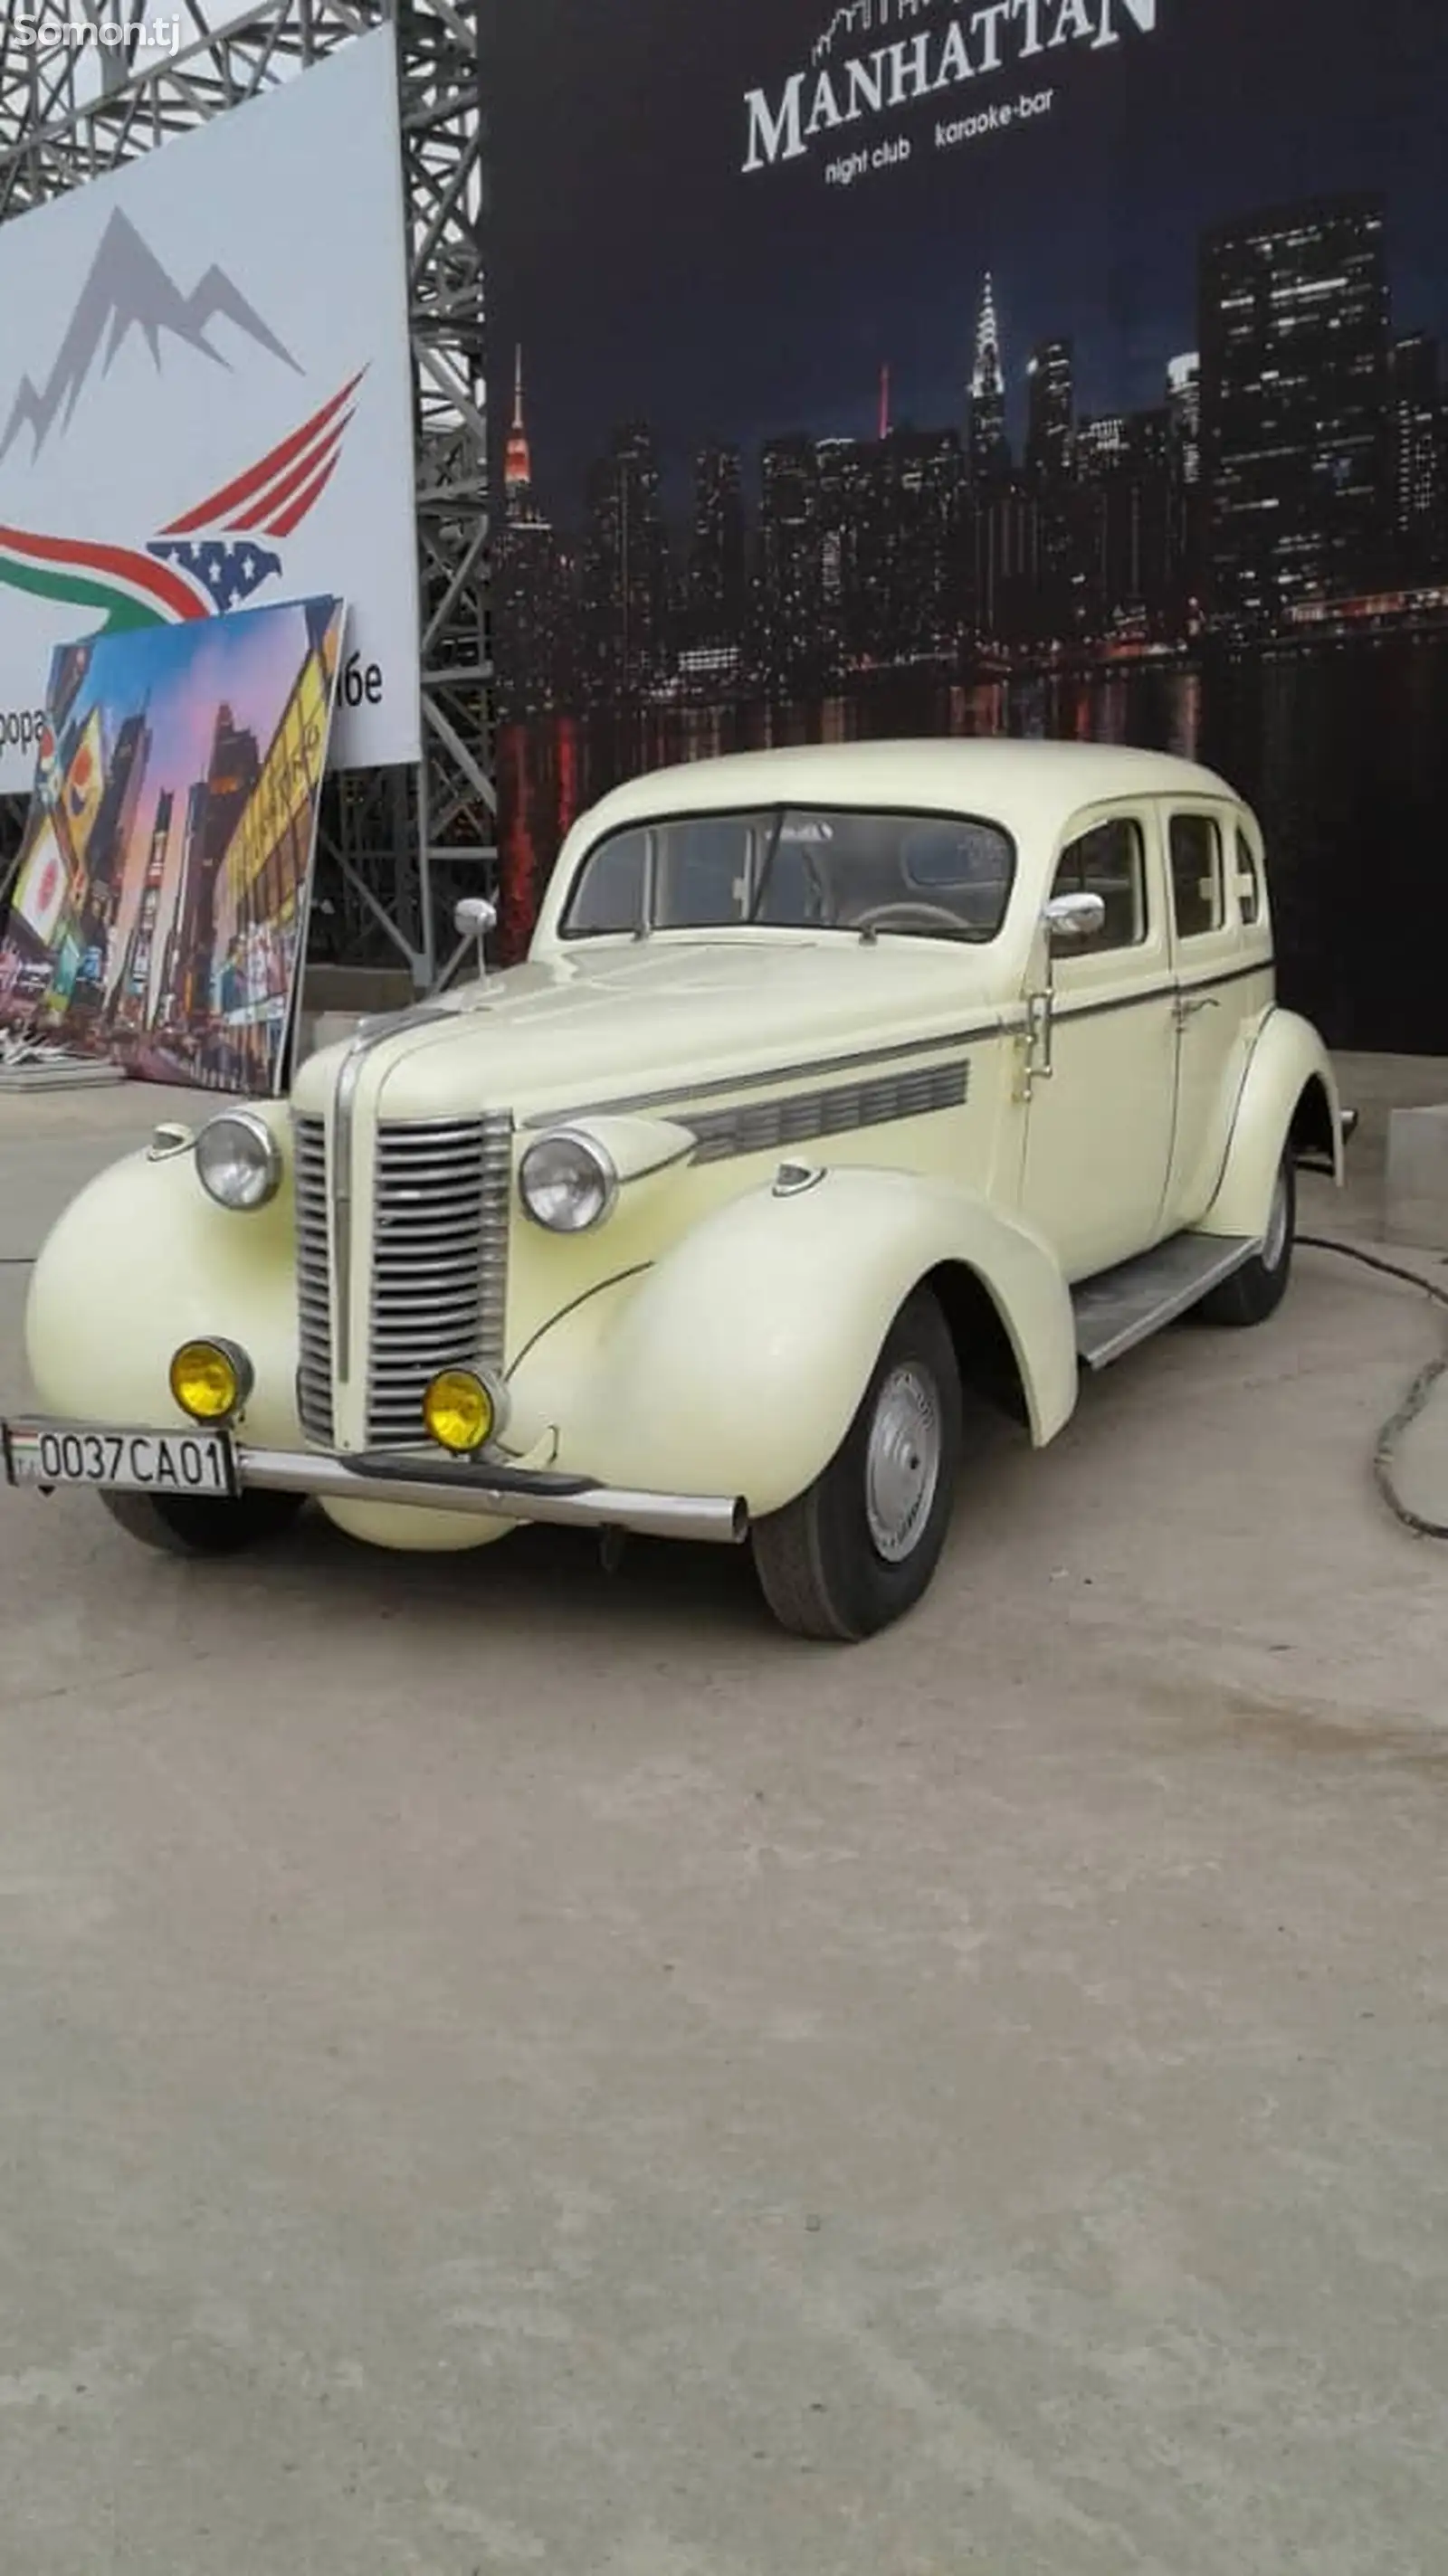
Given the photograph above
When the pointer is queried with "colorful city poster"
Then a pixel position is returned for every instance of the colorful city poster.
(159, 915)
(1050, 367)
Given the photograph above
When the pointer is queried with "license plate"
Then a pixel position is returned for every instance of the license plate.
(202, 1463)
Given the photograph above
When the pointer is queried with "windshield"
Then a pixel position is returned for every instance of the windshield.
(932, 876)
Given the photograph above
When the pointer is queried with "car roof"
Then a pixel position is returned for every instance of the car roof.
(1030, 787)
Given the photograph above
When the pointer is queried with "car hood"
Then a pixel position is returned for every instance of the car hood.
(672, 1017)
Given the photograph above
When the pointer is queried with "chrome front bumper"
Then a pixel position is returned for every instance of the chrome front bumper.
(491, 1492)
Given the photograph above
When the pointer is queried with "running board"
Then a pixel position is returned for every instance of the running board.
(1122, 1307)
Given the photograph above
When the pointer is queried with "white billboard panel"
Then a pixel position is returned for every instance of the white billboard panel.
(205, 398)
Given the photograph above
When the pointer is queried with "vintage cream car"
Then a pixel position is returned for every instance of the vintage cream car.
(836, 1080)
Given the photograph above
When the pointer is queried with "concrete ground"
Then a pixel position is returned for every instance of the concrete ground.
(502, 2068)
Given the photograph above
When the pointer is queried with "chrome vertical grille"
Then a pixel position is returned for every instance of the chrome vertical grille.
(314, 1291)
(439, 1262)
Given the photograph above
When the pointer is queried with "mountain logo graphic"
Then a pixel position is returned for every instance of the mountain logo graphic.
(223, 549)
(129, 291)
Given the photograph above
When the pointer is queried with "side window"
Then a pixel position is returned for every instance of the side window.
(1197, 886)
(1109, 860)
(609, 897)
(1249, 882)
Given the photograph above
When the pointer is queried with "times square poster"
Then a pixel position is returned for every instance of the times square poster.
(159, 915)
(1045, 368)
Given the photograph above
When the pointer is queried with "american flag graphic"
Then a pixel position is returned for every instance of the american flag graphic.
(228, 569)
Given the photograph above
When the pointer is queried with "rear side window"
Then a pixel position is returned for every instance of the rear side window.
(1197, 887)
(1249, 882)
(1109, 860)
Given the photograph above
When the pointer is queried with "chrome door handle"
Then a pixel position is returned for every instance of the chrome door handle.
(1033, 1048)
(1185, 1010)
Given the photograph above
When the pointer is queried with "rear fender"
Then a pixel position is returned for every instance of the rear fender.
(736, 1363)
(1290, 1088)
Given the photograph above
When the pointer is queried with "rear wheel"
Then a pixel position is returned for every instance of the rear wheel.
(857, 1550)
(183, 1526)
(1256, 1290)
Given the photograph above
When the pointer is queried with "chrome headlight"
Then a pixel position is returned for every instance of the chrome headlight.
(238, 1160)
(567, 1182)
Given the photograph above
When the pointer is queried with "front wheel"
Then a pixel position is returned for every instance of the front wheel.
(1256, 1290)
(183, 1526)
(857, 1550)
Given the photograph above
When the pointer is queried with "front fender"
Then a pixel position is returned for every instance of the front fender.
(1288, 1058)
(736, 1363)
(142, 1261)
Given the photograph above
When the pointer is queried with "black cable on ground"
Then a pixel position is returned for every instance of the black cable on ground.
(1414, 1402)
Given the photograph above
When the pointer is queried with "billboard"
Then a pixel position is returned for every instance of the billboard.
(1043, 367)
(205, 399)
(160, 911)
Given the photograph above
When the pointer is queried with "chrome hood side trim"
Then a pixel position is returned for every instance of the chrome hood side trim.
(677, 1100)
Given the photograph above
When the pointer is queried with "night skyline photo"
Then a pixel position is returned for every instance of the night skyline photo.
(1034, 366)
(646, 277)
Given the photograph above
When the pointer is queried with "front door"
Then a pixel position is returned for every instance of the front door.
(1099, 1130)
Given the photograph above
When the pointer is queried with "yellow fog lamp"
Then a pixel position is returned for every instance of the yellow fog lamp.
(461, 1411)
(211, 1380)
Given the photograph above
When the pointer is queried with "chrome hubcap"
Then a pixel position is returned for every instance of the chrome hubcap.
(1276, 1244)
(902, 1462)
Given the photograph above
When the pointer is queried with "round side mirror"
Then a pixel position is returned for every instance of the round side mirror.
(474, 917)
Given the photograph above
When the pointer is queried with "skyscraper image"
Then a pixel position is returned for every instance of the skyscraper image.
(528, 605)
(134, 982)
(987, 445)
(1296, 454)
(626, 569)
(1051, 412)
(110, 844)
(789, 565)
(717, 570)
(518, 460)
(231, 774)
(1418, 457)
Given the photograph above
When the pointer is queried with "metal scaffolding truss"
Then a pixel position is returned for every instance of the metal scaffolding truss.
(397, 845)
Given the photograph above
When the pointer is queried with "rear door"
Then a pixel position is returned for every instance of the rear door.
(1217, 1001)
